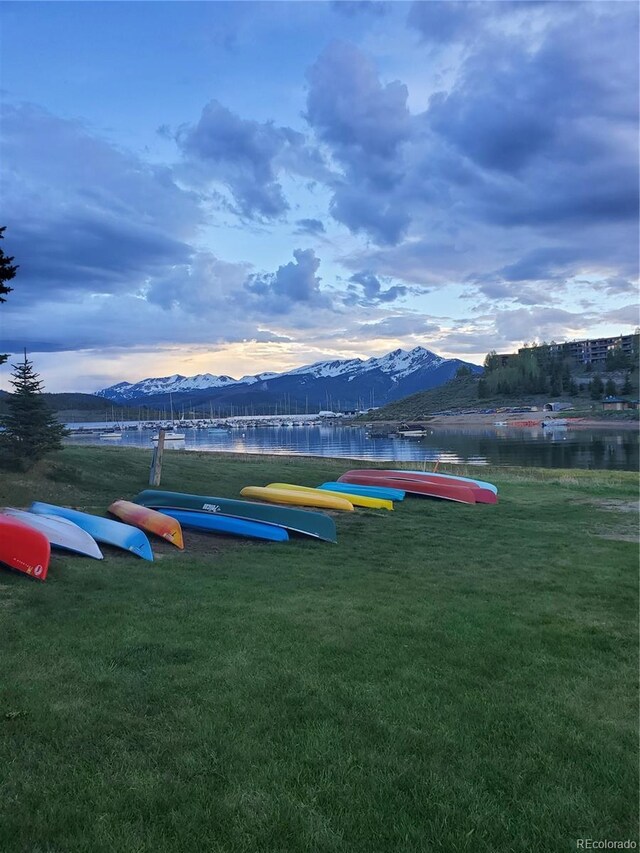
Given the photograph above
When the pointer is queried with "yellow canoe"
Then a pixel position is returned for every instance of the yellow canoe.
(356, 500)
(298, 498)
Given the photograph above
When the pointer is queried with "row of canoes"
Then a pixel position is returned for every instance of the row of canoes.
(26, 537)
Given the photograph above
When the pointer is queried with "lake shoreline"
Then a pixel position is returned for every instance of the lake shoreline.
(494, 420)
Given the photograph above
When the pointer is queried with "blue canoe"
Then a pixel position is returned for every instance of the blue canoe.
(215, 523)
(367, 491)
(481, 483)
(102, 529)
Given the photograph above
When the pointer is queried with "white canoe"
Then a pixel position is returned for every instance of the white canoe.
(60, 532)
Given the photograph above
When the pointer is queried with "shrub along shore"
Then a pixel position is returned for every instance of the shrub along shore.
(445, 678)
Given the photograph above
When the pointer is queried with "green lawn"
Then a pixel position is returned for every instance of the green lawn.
(445, 678)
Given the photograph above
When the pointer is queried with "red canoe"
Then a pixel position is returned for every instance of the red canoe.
(431, 489)
(481, 495)
(24, 548)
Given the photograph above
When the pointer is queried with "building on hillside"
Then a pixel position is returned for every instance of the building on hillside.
(557, 406)
(618, 404)
(505, 357)
(594, 350)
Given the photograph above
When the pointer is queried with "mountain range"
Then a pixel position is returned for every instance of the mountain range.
(340, 385)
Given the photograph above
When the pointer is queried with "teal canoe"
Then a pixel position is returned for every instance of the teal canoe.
(314, 524)
(365, 491)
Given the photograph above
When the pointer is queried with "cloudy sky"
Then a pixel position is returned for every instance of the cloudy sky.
(232, 187)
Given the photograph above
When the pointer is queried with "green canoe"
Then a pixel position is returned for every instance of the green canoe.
(297, 520)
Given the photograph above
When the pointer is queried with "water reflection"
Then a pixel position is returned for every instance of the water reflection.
(570, 448)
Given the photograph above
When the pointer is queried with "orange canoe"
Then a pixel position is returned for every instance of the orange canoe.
(149, 520)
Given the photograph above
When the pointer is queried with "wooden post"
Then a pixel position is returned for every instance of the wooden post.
(156, 461)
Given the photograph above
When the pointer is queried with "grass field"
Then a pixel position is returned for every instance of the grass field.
(445, 678)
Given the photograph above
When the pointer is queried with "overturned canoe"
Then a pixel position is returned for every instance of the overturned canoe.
(102, 529)
(370, 491)
(445, 491)
(353, 497)
(60, 532)
(24, 548)
(481, 495)
(320, 500)
(480, 483)
(214, 523)
(150, 520)
(314, 524)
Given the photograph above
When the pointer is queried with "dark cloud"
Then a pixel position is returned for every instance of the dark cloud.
(351, 8)
(240, 153)
(443, 21)
(539, 324)
(370, 287)
(292, 285)
(400, 326)
(310, 226)
(84, 214)
(548, 264)
(619, 285)
(627, 315)
(365, 124)
(246, 157)
(351, 110)
(533, 143)
(525, 294)
(375, 215)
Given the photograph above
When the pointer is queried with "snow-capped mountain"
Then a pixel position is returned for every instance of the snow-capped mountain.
(347, 384)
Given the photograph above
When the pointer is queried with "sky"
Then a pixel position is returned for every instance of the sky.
(236, 187)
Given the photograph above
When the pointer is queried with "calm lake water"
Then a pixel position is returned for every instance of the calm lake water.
(605, 448)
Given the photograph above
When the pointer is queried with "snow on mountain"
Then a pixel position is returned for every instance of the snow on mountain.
(165, 385)
(396, 372)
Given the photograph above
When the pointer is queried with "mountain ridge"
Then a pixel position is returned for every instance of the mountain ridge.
(348, 381)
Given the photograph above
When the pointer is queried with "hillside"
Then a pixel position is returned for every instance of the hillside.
(462, 393)
(456, 394)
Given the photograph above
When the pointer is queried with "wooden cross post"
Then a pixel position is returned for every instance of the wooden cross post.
(156, 461)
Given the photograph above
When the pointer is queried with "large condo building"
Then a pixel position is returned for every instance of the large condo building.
(592, 351)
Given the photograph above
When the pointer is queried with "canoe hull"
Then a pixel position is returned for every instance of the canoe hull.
(23, 548)
(458, 494)
(482, 484)
(297, 498)
(213, 523)
(367, 491)
(102, 529)
(481, 495)
(353, 498)
(150, 520)
(314, 524)
(60, 532)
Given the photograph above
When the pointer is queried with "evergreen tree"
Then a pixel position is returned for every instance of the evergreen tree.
(31, 430)
(7, 272)
(627, 387)
(491, 361)
(610, 389)
(596, 387)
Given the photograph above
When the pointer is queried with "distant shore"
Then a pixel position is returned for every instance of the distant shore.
(488, 420)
